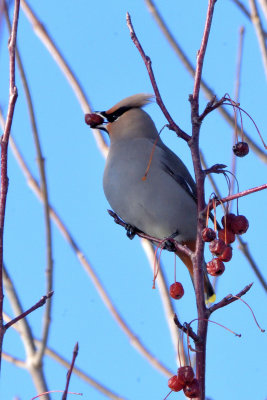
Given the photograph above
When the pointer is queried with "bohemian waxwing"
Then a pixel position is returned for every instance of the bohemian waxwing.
(163, 204)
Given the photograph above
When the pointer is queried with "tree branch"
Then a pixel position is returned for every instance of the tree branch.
(198, 257)
(39, 304)
(173, 126)
(256, 20)
(229, 299)
(24, 330)
(202, 51)
(75, 353)
(4, 147)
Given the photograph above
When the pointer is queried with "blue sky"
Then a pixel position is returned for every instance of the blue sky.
(94, 39)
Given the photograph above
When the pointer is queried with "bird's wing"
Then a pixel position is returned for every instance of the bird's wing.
(174, 166)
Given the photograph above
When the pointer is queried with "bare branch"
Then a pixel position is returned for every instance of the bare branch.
(255, 17)
(173, 126)
(97, 385)
(245, 10)
(39, 304)
(186, 329)
(242, 194)
(237, 93)
(75, 353)
(166, 301)
(13, 360)
(243, 246)
(202, 51)
(263, 4)
(4, 147)
(198, 257)
(24, 330)
(229, 299)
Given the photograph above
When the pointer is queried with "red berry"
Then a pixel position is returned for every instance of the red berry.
(228, 218)
(174, 384)
(176, 290)
(208, 235)
(241, 149)
(217, 246)
(215, 267)
(185, 374)
(240, 224)
(226, 254)
(226, 235)
(93, 120)
(191, 390)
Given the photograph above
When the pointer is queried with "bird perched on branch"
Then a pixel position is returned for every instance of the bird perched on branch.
(146, 184)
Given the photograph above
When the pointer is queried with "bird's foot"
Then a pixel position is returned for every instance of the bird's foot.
(169, 245)
(130, 231)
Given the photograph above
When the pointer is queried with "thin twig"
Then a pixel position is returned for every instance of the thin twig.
(202, 51)
(186, 329)
(4, 147)
(82, 375)
(74, 356)
(24, 329)
(13, 360)
(243, 246)
(242, 194)
(43, 180)
(166, 301)
(237, 94)
(255, 17)
(263, 4)
(229, 299)
(245, 10)
(204, 86)
(39, 304)
(173, 126)
(45, 38)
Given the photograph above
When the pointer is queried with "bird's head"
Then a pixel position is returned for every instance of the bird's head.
(125, 119)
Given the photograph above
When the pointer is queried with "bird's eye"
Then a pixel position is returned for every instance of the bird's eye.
(115, 114)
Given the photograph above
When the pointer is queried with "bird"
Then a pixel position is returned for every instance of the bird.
(147, 185)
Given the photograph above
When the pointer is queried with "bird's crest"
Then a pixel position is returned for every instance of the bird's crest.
(136, 101)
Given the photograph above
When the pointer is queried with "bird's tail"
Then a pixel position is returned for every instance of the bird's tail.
(208, 288)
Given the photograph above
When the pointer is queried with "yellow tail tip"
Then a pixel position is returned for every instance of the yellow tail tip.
(211, 299)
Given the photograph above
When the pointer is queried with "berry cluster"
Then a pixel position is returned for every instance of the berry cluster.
(220, 247)
(185, 379)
